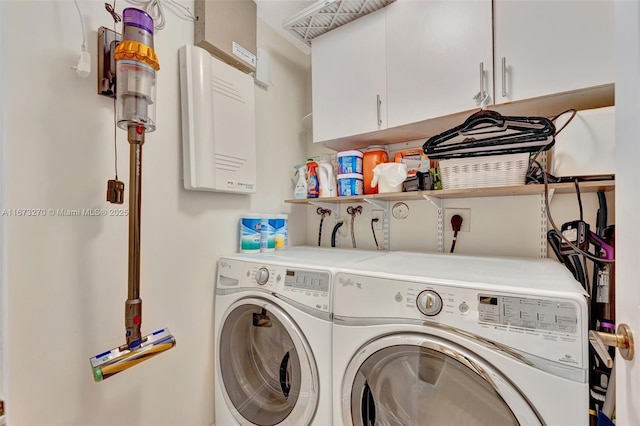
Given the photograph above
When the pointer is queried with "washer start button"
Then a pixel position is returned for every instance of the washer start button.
(464, 308)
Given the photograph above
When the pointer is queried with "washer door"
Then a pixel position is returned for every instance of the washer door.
(267, 367)
(412, 379)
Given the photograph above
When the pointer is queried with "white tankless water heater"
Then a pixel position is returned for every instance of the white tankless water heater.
(218, 124)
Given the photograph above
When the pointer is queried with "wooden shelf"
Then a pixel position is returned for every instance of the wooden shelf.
(500, 191)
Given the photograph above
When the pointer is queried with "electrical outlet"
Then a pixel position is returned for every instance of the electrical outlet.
(466, 218)
(377, 214)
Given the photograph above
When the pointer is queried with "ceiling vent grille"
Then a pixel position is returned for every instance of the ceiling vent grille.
(326, 15)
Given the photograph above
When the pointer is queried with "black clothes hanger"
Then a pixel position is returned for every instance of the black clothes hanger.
(489, 133)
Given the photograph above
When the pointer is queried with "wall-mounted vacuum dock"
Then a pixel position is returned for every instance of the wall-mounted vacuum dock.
(136, 66)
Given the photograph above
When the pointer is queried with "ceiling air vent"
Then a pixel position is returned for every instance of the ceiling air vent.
(326, 15)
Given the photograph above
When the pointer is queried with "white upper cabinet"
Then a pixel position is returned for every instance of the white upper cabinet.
(397, 69)
(435, 53)
(348, 68)
(551, 46)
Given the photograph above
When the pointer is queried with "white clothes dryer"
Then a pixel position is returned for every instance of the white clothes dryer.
(439, 339)
(273, 336)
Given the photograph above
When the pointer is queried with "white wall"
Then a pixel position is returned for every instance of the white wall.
(67, 276)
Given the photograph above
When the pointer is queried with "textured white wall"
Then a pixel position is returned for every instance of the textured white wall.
(66, 277)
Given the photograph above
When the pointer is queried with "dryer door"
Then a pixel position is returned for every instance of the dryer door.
(266, 365)
(410, 379)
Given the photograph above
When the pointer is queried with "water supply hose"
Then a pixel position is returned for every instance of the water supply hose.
(335, 231)
(322, 212)
(373, 231)
(353, 211)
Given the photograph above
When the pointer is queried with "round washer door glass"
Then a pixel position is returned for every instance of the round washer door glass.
(267, 368)
(428, 383)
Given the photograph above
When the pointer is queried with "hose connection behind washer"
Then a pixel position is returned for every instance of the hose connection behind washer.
(322, 212)
(353, 211)
(335, 231)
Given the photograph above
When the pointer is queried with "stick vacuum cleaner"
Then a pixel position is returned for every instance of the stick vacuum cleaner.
(136, 66)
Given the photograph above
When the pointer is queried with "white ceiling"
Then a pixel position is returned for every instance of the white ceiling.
(275, 12)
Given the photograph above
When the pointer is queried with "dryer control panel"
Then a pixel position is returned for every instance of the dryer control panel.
(527, 312)
(549, 325)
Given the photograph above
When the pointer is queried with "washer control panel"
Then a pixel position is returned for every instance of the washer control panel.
(307, 280)
(310, 287)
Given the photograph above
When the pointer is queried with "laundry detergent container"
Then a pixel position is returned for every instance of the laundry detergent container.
(350, 184)
(349, 162)
(371, 157)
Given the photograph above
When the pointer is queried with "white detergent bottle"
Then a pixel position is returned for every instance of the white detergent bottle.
(328, 187)
(300, 190)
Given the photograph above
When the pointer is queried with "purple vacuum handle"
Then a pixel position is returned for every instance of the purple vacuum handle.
(608, 250)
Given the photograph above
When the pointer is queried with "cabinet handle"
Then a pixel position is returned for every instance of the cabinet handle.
(504, 77)
(378, 109)
(481, 78)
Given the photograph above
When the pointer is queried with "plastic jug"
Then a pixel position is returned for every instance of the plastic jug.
(313, 187)
(300, 189)
(328, 187)
(373, 156)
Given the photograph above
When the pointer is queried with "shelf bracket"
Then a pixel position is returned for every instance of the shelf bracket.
(437, 203)
(384, 205)
(544, 227)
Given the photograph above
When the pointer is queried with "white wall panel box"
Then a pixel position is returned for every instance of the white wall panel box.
(227, 30)
(218, 124)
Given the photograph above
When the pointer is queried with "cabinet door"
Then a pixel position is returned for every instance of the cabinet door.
(434, 53)
(348, 69)
(551, 46)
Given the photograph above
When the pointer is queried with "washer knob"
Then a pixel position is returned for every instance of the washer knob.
(429, 303)
(262, 276)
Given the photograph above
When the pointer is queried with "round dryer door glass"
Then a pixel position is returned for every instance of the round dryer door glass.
(418, 384)
(264, 364)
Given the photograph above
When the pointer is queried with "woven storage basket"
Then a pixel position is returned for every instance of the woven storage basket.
(477, 172)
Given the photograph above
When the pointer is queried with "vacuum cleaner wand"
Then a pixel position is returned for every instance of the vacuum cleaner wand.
(136, 66)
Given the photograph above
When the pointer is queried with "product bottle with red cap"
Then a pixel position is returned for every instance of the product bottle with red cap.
(313, 187)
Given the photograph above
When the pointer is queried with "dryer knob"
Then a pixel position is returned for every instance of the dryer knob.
(429, 303)
(262, 276)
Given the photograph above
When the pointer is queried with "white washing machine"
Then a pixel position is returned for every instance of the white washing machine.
(437, 339)
(273, 336)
